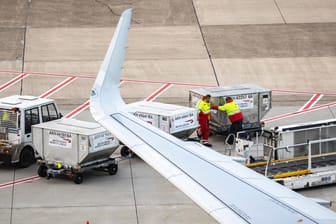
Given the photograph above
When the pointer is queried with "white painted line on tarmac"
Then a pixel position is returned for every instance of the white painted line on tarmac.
(292, 91)
(20, 181)
(78, 110)
(83, 107)
(159, 91)
(298, 112)
(312, 101)
(13, 81)
(58, 87)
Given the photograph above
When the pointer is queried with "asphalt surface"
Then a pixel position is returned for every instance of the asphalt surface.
(285, 45)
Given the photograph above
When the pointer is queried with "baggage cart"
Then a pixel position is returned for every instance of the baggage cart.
(176, 120)
(69, 147)
(254, 102)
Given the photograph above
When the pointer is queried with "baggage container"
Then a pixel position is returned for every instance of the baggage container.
(177, 120)
(69, 147)
(254, 102)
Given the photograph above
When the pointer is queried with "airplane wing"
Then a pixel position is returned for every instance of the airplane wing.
(228, 191)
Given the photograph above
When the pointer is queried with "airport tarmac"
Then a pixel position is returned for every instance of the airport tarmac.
(54, 49)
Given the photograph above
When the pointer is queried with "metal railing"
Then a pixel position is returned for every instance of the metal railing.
(308, 143)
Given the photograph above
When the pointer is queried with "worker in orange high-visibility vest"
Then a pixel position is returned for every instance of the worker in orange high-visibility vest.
(234, 114)
(203, 119)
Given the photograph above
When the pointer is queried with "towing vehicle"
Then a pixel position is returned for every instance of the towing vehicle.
(18, 114)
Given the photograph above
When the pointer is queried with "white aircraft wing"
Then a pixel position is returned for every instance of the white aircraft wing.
(228, 191)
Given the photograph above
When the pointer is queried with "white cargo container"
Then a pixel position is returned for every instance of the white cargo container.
(69, 147)
(254, 102)
(177, 120)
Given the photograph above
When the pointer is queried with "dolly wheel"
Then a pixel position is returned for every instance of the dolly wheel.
(78, 178)
(113, 169)
(42, 171)
(126, 152)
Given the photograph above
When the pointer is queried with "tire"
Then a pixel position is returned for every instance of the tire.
(78, 178)
(126, 152)
(27, 157)
(113, 169)
(42, 171)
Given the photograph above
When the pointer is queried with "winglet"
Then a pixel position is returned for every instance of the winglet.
(106, 85)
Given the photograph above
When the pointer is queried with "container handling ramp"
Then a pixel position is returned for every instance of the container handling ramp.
(300, 172)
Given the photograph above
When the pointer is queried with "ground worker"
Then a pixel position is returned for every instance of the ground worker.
(235, 116)
(203, 119)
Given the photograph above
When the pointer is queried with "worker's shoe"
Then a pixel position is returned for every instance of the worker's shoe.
(199, 134)
(206, 143)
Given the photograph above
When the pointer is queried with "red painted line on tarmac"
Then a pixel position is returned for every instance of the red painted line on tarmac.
(173, 83)
(79, 109)
(311, 103)
(293, 91)
(298, 112)
(39, 73)
(125, 80)
(156, 82)
(59, 86)
(20, 181)
(13, 81)
(158, 92)
(82, 107)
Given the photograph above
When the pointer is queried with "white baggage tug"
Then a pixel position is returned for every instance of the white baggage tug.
(18, 114)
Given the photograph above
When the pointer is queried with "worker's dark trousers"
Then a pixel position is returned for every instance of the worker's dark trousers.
(234, 128)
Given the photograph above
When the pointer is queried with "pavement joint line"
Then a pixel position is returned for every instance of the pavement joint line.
(282, 16)
(158, 92)
(112, 11)
(13, 81)
(20, 181)
(133, 189)
(27, 7)
(311, 102)
(58, 87)
(205, 43)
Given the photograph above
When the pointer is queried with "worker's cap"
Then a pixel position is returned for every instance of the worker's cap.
(228, 98)
(208, 96)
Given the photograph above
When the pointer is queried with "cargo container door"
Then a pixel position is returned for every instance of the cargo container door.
(248, 104)
(164, 123)
(183, 121)
(265, 100)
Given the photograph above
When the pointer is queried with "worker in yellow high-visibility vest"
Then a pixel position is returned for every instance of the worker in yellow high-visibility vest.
(203, 119)
(234, 114)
